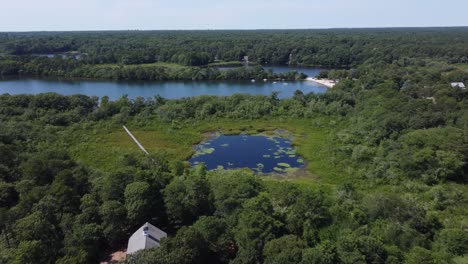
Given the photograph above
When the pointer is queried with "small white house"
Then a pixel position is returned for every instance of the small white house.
(148, 236)
(458, 84)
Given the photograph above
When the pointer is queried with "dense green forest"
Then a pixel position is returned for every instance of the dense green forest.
(129, 55)
(386, 151)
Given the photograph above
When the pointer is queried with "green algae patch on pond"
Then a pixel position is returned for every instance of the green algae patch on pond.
(261, 153)
(202, 150)
(278, 169)
(282, 164)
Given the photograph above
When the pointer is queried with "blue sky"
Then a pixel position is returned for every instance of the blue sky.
(33, 15)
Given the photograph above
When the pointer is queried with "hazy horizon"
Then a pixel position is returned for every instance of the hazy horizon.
(235, 29)
(99, 15)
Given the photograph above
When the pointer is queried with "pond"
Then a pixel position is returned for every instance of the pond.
(170, 90)
(264, 154)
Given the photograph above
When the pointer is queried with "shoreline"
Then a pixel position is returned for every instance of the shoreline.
(326, 82)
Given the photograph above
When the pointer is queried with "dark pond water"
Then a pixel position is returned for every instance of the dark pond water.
(170, 90)
(259, 153)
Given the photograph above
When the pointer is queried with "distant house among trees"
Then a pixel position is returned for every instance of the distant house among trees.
(458, 84)
(148, 236)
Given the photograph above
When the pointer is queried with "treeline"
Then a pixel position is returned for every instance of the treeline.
(125, 55)
(70, 68)
(329, 48)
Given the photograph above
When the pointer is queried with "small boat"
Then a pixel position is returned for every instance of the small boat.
(253, 80)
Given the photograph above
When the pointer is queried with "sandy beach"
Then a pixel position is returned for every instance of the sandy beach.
(327, 82)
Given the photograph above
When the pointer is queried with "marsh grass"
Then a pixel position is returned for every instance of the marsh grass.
(103, 146)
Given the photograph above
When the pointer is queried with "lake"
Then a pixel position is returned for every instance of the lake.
(169, 89)
(260, 153)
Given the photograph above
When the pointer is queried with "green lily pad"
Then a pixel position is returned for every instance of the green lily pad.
(282, 164)
(204, 151)
(278, 169)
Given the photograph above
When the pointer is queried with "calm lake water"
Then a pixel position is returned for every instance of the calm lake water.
(170, 90)
(259, 153)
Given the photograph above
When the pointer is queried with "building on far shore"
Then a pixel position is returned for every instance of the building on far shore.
(148, 236)
(458, 84)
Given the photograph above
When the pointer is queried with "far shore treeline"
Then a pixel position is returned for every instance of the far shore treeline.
(185, 55)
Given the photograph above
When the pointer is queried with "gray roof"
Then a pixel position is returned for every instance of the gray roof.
(147, 236)
(458, 84)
